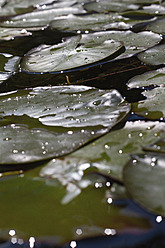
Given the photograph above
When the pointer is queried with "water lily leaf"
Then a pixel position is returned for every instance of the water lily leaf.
(89, 22)
(10, 33)
(144, 180)
(133, 42)
(8, 62)
(148, 79)
(108, 154)
(72, 114)
(36, 198)
(153, 107)
(39, 18)
(103, 6)
(4, 76)
(69, 54)
(146, 12)
(157, 26)
(158, 146)
(153, 56)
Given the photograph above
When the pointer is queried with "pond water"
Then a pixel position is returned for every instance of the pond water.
(82, 124)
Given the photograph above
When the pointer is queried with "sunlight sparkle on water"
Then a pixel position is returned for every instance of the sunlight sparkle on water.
(159, 219)
(109, 231)
(73, 244)
(78, 231)
(109, 200)
(31, 242)
(12, 232)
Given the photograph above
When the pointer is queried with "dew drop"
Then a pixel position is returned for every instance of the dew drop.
(109, 200)
(15, 151)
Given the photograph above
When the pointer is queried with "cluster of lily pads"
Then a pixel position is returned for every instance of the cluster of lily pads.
(81, 136)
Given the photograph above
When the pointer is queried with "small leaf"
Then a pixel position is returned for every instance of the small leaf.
(39, 18)
(116, 6)
(144, 180)
(153, 56)
(157, 26)
(10, 33)
(89, 22)
(8, 62)
(148, 79)
(133, 42)
(153, 107)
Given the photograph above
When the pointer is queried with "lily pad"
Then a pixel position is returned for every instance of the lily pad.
(108, 154)
(10, 33)
(4, 76)
(89, 22)
(39, 18)
(153, 107)
(148, 79)
(103, 6)
(133, 42)
(68, 116)
(69, 54)
(153, 56)
(144, 180)
(157, 26)
(158, 146)
(146, 12)
(89, 214)
(8, 62)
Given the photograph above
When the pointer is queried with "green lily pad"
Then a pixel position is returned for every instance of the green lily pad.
(153, 56)
(68, 116)
(39, 18)
(157, 26)
(148, 79)
(8, 62)
(153, 107)
(69, 54)
(90, 22)
(108, 154)
(4, 76)
(133, 42)
(10, 33)
(144, 180)
(89, 214)
(158, 146)
(103, 6)
(146, 12)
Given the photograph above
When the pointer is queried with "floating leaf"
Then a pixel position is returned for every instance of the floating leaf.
(39, 18)
(4, 76)
(8, 62)
(147, 12)
(10, 33)
(158, 146)
(144, 180)
(148, 79)
(154, 55)
(86, 215)
(153, 107)
(133, 42)
(157, 26)
(89, 22)
(72, 114)
(116, 6)
(69, 54)
(108, 154)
